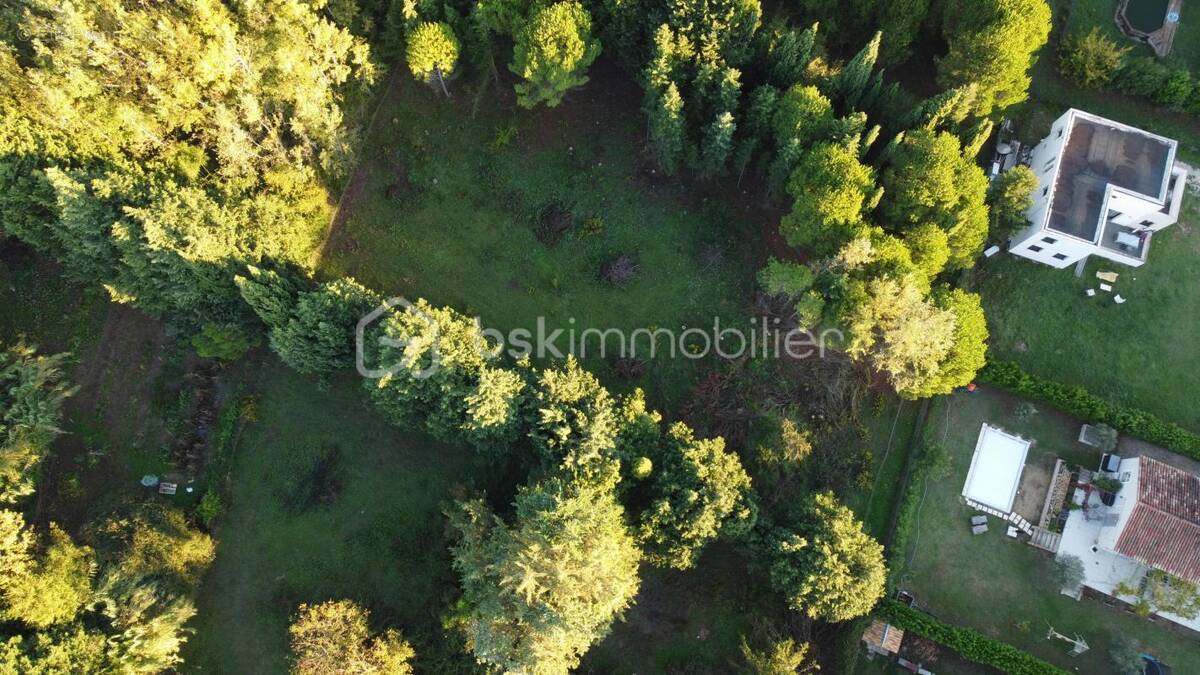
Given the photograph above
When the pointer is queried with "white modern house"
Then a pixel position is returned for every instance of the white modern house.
(1152, 523)
(1104, 188)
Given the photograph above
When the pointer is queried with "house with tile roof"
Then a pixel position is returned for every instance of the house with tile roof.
(1152, 523)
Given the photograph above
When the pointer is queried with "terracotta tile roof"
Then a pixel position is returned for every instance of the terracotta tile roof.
(884, 636)
(1163, 530)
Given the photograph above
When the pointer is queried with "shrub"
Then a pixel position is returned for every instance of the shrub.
(226, 342)
(1090, 60)
(809, 310)
(1176, 89)
(933, 462)
(969, 644)
(1079, 402)
(785, 278)
(334, 637)
(1067, 572)
(1141, 76)
(1024, 411)
(209, 508)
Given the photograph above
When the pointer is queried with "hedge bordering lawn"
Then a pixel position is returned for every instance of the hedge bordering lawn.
(969, 644)
(1079, 402)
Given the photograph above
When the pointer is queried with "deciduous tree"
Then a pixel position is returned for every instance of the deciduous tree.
(929, 180)
(830, 189)
(1010, 197)
(332, 637)
(54, 587)
(432, 52)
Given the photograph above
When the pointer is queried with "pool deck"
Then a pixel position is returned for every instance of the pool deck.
(1160, 40)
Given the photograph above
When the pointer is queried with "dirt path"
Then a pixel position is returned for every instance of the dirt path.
(357, 182)
(1129, 446)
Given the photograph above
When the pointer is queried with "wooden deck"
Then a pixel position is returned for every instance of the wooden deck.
(1160, 40)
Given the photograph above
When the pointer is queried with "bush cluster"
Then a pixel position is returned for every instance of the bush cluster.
(1083, 404)
(970, 644)
(1095, 61)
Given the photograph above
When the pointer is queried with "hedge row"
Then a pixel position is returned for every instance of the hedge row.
(969, 644)
(1079, 402)
(906, 517)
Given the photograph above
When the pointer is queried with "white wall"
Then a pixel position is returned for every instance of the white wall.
(1067, 249)
(1135, 210)
(1044, 162)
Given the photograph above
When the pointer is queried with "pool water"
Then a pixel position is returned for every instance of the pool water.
(1146, 15)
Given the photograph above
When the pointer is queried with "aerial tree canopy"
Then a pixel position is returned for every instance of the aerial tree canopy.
(178, 139)
(553, 52)
(332, 637)
(831, 190)
(698, 491)
(32, 392)
(1010, 197)
(575, 420)
(928, 179)
(829, 568)
(542, 589)
(993, 44)
(432, 52)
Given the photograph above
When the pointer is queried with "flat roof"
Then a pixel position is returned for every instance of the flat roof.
(996, 469)
(1099, 153)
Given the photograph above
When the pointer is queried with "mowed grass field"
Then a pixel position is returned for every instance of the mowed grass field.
(1142, 353)
(999, 586)
(328, 502)
(453, 192)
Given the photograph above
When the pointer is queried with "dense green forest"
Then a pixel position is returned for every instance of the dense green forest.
(187, 158)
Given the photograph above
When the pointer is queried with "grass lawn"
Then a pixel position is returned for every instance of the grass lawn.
(39, 305)
(1141, 353)
(448, 201)
(327, 501)
(997, 585)
(689, 622)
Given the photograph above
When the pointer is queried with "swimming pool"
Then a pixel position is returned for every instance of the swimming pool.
(1146, 15)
